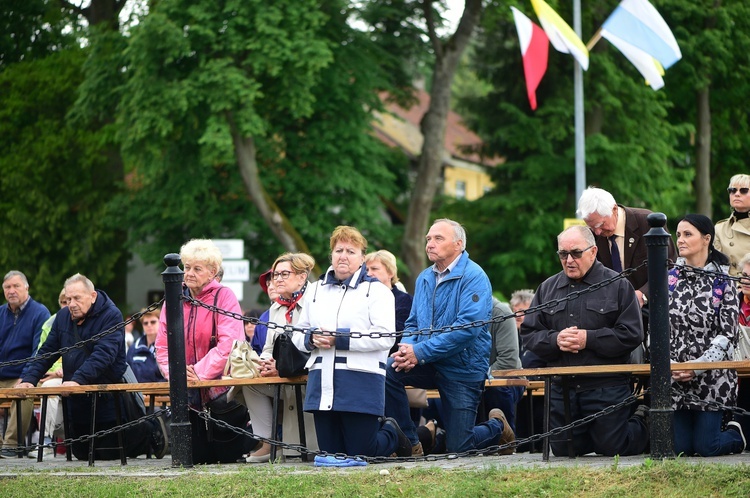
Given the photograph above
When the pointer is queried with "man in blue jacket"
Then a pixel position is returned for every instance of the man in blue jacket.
(21, 321)
(90, 312)
(454, 292)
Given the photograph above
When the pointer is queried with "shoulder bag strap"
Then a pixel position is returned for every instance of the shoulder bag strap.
(214, 339)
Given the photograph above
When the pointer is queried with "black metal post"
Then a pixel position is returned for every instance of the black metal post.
(661, 414)
(181, 441)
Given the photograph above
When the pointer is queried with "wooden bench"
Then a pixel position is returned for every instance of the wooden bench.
(152, 390)
(742, 367)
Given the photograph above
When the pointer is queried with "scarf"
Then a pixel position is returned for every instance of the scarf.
(291, 304)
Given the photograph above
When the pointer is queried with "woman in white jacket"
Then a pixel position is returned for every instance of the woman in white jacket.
(346, 380)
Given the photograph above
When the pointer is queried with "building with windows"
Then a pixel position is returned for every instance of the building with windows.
(464, 170)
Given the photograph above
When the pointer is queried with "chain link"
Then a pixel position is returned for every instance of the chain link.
(105, 432)
(700, 271)
(711, 404)
(448, 328)
(85, 342)
(491, 450)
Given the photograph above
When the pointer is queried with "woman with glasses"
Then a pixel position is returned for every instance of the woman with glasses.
(142, 354)
(346, 380)
(289, 279)
(733, 233)
(703, 310)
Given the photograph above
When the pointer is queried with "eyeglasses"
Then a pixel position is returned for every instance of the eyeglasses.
(733, 190)
(744, 278)
(283, 275)
(577, 253)
(150, 322)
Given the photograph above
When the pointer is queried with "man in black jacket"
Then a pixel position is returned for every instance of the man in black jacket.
(597, 328)
(88, 313)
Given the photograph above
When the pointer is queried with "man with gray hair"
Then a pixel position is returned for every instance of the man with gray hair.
(90, 312)
(21, 320)
(619, 234)
(453, 292)
(596, 328)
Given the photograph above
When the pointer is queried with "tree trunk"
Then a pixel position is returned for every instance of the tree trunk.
(703, 153)
(429, 168)
(285, 233)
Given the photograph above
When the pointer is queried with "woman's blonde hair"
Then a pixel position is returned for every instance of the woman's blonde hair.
(389, 262)
(344, 233)
(299, 261)
(204, 251)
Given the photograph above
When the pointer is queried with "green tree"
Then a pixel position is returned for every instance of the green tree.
(275, 99)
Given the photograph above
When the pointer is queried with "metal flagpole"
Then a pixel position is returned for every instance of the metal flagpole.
(580, 140)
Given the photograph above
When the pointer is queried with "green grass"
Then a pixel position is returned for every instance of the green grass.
(667, 479)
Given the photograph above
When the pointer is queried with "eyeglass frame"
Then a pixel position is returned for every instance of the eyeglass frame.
(563, 255)
(280, 274)
(741, 190)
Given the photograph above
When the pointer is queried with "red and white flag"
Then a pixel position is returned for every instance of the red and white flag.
(535, 51)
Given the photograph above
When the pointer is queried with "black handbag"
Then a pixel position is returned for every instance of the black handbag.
(230, 412)
(220, 408)
(290, 361)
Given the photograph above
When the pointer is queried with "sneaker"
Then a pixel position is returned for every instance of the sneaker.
(735, 426)
(404, 448)
(159, 441)
(508, 436)
(8, 453)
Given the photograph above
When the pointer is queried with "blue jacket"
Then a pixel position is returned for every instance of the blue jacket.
(142, 359)
(101, 362)
(19, 337)
(463, 296)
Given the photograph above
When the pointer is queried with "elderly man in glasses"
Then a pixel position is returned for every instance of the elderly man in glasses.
(733, 234)
(595, 328)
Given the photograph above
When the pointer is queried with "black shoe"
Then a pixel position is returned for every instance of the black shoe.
(159, 441)
(404, 445)
(642, 414)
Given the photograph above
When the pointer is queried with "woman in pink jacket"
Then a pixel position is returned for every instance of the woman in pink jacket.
(208, 341)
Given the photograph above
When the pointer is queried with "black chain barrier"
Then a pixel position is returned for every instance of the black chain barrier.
(85, 342)
(105, 432)
(490, 450)
(449, 328)
(712, 404)
(700, 271)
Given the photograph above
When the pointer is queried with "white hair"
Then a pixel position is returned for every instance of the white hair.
(595, 200)
(459, 232)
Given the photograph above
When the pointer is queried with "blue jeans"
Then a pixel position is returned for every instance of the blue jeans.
(460, 400)
(354, 434)
(505, 398)
(697, 432)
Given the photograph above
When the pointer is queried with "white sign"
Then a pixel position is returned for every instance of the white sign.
(231, 248)
(236, 271)
(237, 288)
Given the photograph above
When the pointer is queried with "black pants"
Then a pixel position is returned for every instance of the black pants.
(612, 434)
(205, 451)
(136, 440)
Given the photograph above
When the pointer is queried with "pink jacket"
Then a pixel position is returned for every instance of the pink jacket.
(198, 325)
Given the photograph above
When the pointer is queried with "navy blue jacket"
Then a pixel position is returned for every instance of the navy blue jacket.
(101, 362)
(142, 359)
(19, 336)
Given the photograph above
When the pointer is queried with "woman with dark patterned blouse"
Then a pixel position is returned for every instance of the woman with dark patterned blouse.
(703, 314)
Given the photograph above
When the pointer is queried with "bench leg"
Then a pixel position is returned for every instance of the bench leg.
(530, 403)
(275, 419)
(301, 421)
(21, 438)
(568, 418)
(67, 429)
(93, 429)
(42, 419)
(118, 421)
(545, 444)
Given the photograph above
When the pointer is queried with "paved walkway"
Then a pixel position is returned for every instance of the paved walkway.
(148, 467)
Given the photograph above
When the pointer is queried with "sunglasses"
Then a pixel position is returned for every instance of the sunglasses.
(733, 190)
(150, 322)
(577, 253)
(744, 278)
